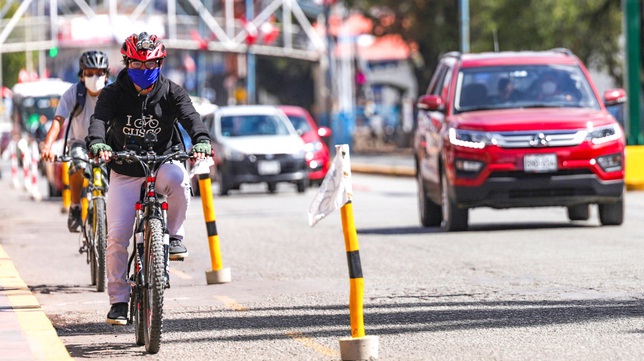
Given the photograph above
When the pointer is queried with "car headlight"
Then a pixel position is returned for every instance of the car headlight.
(469, 138)
(313, 147)
(604, 134)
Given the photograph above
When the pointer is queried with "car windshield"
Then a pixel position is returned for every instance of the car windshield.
(252, 125)
(523, 86)
(300, 124)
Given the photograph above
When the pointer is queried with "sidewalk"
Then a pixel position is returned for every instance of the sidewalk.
(395, 163)
(25, 331)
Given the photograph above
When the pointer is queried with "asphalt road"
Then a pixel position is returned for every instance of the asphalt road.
(519, 285)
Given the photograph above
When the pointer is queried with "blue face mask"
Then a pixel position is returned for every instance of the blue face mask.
(143, 77)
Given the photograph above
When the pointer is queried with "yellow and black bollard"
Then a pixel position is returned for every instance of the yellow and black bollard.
(218, 274)
(358, 346)
(67, 194)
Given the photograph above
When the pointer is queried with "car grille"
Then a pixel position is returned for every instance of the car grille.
(288, 164)
(537, 139)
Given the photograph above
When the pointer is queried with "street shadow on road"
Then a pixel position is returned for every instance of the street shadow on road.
(424, 314)
(475, 228)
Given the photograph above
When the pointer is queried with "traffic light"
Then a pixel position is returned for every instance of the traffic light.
(53, 52)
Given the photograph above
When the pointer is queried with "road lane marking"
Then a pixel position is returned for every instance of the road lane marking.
(36, 328)
(319, 348)
(232, 304)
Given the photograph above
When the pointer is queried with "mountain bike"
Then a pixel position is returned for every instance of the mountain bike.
(93, 216)
(148, 263)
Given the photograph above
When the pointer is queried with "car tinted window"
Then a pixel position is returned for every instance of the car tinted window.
(252, 125)
(523, 86)
(300, 124)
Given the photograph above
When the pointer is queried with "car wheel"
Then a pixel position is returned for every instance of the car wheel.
(454, 219)
(224, 186)
(580, 212)
(611, 214)
(272, 187)
(301, 186)
(429, 212)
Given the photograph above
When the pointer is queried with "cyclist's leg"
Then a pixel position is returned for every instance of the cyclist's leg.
(124, 193)
(77, 149)
(174, 182)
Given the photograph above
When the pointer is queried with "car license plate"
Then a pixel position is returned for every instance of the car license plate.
(268, 167)
(539, 163)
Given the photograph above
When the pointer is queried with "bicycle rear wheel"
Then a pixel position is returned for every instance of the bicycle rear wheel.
(99, 231)
(154, 265)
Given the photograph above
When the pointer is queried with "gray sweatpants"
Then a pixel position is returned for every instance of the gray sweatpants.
(172, 181)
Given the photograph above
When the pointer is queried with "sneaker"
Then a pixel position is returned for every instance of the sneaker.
(118, 314)
(74, 219)
(177, 250)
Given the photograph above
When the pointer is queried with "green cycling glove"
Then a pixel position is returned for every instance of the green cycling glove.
(202, 147)
(98, 147)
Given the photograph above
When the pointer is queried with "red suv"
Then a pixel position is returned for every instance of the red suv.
(517, 129)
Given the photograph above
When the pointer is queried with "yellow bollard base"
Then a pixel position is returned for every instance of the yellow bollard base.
(217, 277)
(359, 348)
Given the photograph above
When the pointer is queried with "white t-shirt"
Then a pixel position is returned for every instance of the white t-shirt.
(80, 123)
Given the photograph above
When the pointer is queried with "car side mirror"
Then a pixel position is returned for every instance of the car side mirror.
(430, 102)
(614, 97)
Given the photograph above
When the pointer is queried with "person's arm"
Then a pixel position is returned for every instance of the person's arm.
(103, 112)
(192, 123)
(62, 112)
(50, 138)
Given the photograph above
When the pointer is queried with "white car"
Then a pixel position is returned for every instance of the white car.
(257, 144)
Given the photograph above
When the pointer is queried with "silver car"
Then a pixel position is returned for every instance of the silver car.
(257, 144)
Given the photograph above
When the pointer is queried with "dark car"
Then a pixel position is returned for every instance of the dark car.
(317, 152)
(517, 129)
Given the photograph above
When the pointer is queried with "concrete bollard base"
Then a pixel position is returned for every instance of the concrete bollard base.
(359, 348)
(220, 276)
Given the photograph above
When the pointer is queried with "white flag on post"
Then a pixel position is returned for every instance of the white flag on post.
(335, 190)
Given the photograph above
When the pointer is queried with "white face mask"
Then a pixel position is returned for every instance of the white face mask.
(95, 83)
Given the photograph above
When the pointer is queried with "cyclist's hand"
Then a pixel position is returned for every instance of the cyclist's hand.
(201, 149)
(101, 150)
(47, 154)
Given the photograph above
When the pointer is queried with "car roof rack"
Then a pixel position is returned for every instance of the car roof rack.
(563, 51)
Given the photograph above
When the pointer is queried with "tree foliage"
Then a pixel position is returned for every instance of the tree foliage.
(11, 62)
(590, 28)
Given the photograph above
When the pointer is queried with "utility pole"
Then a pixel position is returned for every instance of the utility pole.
(632, 30)
(464, 10)
(250, 58)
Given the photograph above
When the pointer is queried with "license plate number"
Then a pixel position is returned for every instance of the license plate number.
(268, 167)
(539, 163)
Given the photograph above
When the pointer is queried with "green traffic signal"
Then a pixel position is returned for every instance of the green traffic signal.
(53, 52)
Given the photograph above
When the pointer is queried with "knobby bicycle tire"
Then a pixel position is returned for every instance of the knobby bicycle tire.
(155, 277)
(136, 310)
(99, 226)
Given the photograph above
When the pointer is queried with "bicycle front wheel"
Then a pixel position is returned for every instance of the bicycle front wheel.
(99, 232)
(155, 281)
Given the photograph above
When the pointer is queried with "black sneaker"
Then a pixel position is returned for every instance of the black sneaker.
(118, 314)
(74, 219)
(177, 250)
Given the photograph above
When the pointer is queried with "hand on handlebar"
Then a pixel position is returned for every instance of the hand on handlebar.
(201, 150)
(102, 151)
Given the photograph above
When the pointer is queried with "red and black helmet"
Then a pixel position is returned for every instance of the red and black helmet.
(143, 47)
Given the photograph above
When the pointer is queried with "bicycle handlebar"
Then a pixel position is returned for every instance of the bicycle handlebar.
(130, 156)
